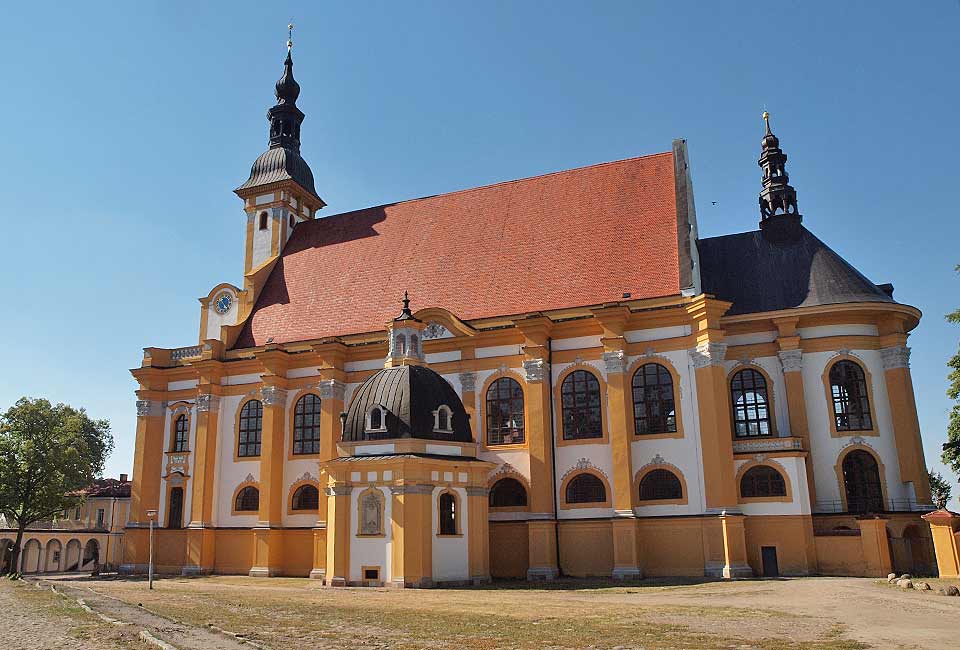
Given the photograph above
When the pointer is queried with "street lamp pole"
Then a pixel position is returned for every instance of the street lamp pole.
(151, 514)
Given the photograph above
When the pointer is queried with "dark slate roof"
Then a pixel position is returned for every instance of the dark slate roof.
(410, 394)
(280, 164)
(758, 276)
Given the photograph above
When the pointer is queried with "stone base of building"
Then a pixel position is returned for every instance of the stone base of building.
(318, 574)
(538, 574)
(193, 570)
(263, 572)
(627, 573)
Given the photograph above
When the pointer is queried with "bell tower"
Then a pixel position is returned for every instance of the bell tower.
(779, 218)
(279, 193)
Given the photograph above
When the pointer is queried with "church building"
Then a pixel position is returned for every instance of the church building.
(548, 376)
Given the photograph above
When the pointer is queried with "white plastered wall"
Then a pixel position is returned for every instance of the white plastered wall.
(230, 473)
(371, 551)
(683, 453)
(451, 559)
(794, 470)
(826, 449)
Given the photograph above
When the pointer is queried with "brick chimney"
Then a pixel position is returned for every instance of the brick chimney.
(123, 478)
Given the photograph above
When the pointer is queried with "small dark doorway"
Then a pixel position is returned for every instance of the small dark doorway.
(175, 518)
(770, 567)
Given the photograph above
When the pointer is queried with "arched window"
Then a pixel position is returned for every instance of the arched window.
(305, 497)
(401, 345)
(751, 408)
(181, 431)
(762, 481)
(851, 404)
(414, 345)
(654, 410)
(861, 481)
(442, 419)
(250, 429)
(448, 514)
(586, 488)
(580, 401)
(306, 425)
(175, 508)
(504, 412)
(376, 420)
(292, 221)
(263, 221)
(248, 499)
(660, 485)
(508, 493)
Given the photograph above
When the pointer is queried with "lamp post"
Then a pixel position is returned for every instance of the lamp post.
(151, 515)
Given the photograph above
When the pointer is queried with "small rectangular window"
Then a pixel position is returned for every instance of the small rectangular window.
(263, 221)
(99, 517)
(371, 574)
(76, 513)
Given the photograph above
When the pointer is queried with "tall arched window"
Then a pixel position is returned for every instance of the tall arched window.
(660, 485)
(586, 488)
(175, 508)
(762, 481)
(181, 432)
(654, 410)
(504, 412)
(448, 514)
(306, 425)
(751, 408)
(250, 429)
(248, 499)
(851, 404)
(305, 497)
(508, 493)
(861, 482)
(580, 405)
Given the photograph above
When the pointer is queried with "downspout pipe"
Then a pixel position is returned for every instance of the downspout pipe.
(553, 454)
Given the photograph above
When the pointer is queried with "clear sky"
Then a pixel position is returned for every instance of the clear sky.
(126, 127)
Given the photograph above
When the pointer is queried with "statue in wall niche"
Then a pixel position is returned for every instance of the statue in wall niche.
(371, 514)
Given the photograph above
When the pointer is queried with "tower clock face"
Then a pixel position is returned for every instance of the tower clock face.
(223, 303)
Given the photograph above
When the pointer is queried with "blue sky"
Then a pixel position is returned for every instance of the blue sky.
(126, 126)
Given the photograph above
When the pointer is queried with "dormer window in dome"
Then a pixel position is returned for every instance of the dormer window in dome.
(376, 420)
(443, 419)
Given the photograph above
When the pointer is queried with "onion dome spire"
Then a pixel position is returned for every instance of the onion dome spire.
(285, 118)
(779, 217)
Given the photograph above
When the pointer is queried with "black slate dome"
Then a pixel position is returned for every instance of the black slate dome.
(409, 395)
(280, 164)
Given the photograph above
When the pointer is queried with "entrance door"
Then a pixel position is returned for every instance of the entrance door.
(770, 567)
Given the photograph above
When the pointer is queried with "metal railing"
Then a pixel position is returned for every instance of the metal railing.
(867, 505)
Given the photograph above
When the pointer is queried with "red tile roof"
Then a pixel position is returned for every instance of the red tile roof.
(572, 238)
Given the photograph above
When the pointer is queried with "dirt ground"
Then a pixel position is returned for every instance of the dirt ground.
(801, 614)
(37, 619)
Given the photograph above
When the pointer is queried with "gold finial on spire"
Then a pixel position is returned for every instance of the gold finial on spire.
(766, 119)
(289, 36)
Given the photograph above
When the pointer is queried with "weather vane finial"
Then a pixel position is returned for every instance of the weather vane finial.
(289, 36)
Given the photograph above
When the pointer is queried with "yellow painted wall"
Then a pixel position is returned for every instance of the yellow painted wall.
(297, 558)
(234, 551)
(671, 547)
(840, 555)
(169, 550)
(509, 549)
(791, 535)
(586, 548)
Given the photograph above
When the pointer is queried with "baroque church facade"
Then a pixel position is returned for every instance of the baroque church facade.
(583, 387)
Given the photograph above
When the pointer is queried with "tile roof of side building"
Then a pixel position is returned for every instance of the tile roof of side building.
(759, 276)
(567, 239)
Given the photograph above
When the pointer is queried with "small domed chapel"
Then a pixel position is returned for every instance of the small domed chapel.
(551, 376)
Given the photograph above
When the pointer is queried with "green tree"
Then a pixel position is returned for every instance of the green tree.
(951, 450)
(48, 453)
(940, 489)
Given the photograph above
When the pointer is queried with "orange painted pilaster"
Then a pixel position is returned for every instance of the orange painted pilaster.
(412, 536)
(332, 356)
(478, 541)
(876, 547)
(943, 528)
(713, 400)
(201, 538)
(791, 358)
(542, 528)
(626, 549)
(338, 535)
(906, 425)
(147, 461)
(734, 547)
